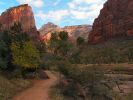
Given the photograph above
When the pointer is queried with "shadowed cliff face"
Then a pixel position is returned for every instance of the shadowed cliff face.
(115, 20)
(73, 31)
(22, 14)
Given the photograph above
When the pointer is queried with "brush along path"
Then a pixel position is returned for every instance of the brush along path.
(39, 90)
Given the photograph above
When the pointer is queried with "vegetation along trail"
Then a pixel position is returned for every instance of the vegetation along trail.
(40, 89)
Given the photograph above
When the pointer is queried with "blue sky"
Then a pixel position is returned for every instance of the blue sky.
(60, 12)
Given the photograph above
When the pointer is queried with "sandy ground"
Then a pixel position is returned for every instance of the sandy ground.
(39, 90)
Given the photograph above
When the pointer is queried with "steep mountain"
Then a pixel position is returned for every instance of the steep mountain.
(115, 20)
(49, 27)
(73, 31)
(22, 14)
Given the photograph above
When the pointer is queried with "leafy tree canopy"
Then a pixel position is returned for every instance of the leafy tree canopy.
(26, 56)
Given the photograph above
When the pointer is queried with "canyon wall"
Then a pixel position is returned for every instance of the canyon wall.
(115, 20)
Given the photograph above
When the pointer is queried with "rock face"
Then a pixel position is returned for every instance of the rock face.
(21, 14)
(78, 30)
(115, 20)
(47, 29)
(73, 31)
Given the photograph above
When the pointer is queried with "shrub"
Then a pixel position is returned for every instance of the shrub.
(80, 41)
(90, 78)
(26, 55)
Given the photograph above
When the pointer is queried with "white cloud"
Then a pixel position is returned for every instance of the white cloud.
(41, 15)
(57, 2)
(85, 9)
(34, 3)
(55, 16)
(76, 9)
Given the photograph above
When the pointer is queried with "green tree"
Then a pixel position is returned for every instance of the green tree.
(5, 52)
(80, 41)
(26, 56)
(54, 43)
(64, 47)
(59, 43)
(3, 55)
(64, 44)
(63, 35)
(54, 36)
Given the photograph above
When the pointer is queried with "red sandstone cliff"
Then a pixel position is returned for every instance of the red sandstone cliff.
(22, 14)
(115, 20)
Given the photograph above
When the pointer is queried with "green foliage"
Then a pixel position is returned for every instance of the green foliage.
(26, 55)
(3, 55)
(64, 47)
(54, 37)
(59, 44)
(24, 52)
(20, 37)
(54, 43)
(41, 47)
(80, 41)
(63, 35)
(3, 63)
(17, 51)
(89, 77)
(106, 55)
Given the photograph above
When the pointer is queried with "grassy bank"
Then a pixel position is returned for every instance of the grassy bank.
(9, 88)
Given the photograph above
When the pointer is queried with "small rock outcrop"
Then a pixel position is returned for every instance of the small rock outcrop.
(115, 20)
(22, 14)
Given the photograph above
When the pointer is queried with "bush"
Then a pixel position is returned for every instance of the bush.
(25, 56)
(90, 78)
(4, 55)
(59, 44)
(80, 41)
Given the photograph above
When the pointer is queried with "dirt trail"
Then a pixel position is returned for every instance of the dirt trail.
(40, 89)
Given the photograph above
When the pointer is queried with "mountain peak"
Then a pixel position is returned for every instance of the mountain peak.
(22, 14)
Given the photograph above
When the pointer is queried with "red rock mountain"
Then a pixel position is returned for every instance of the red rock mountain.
(21, 14)
(73, 31)
(115, 20)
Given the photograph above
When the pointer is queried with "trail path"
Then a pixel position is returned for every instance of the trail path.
(39, 90)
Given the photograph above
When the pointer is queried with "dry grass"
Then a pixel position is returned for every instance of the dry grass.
(56, 94)
(8, 88)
